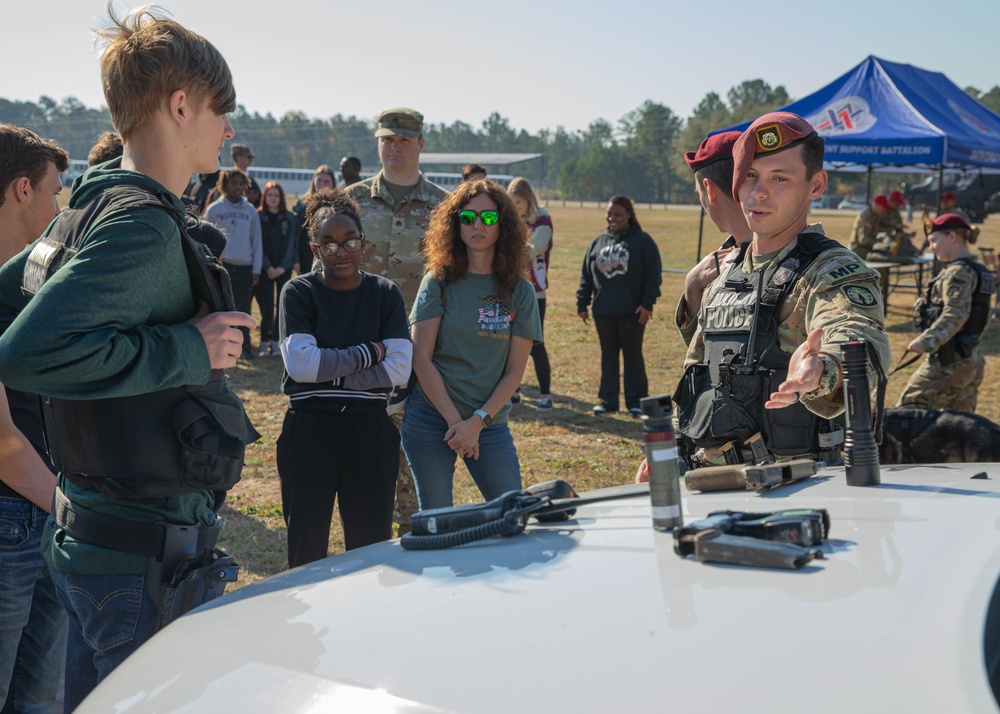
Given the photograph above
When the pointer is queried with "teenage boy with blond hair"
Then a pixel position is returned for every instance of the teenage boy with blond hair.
(101, 317)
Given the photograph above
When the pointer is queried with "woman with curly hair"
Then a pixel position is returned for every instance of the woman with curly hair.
(344, 343)
(473, 324)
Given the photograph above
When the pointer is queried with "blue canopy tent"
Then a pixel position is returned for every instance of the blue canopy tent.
(885, 116)
(892, 116)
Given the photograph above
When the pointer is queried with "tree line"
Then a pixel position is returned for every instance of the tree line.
(641, 155)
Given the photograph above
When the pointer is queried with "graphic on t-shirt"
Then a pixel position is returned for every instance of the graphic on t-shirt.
(494, 317)
(613, 260)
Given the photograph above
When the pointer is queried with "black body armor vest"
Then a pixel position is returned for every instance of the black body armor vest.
(722, 399)
(962, 343)
(155, 445)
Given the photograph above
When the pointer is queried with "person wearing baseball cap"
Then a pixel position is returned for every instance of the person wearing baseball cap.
(712, 166)
(778, 314)
(952, 315)
(243, 157)
(396, 205)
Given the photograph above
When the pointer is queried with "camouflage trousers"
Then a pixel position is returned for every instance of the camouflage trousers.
(406, 491)
(934, 386)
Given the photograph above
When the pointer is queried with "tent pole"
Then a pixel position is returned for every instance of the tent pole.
(868, 193)
(940, 187)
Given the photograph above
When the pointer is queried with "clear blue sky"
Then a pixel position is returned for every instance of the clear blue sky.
(539, 63)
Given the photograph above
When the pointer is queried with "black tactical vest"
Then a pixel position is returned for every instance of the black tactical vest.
(722, 399)
(967, 338)
(155, 445)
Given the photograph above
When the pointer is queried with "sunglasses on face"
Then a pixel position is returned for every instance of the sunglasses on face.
(468, 218)
(352, 245)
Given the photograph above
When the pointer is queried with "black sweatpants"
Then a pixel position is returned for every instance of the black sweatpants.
(540, 356)
(241, 276)
(621, 334)
(267, 294)
(352, 457)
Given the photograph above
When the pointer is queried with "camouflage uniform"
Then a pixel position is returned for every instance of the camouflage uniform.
(836, 292)
(867, 226)
(395, 231)
(955, 385)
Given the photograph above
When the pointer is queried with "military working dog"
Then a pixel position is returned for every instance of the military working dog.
(922, 436)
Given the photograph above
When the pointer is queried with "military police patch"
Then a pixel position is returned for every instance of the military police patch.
(769, 137)
(860, 296)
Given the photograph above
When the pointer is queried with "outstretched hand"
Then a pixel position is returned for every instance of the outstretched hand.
(804, 372)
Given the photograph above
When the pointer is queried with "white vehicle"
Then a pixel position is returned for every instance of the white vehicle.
(598, 614)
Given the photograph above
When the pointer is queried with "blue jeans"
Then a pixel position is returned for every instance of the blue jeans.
(432, 461)
(109, 617)
(32, 622)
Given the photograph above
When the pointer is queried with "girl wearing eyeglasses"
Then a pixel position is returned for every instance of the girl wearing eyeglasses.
(474, 322)
(621, 272)
(344, 343)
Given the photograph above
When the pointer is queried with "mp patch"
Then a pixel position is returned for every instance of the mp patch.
(860, 296)
(769, 137)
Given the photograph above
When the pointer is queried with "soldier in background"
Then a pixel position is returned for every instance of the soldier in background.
(396, 205)
(780, 311)
(869, 223)
(243, 158)
(712, 165)
(953, 316)
(948, 206)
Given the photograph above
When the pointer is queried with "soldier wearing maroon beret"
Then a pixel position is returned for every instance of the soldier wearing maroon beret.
(765, 357)
(952, 316)
(712, 165)
(948, 201)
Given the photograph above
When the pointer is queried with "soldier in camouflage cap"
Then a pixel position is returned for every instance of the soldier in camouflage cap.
(953, 316)
(396, 204)
(766, 355)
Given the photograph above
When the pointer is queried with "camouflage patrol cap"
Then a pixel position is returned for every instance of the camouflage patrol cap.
(769, 134)
(400, 122)
(717, 147)
(944, 222)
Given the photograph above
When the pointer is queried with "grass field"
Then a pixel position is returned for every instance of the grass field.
(567, 442)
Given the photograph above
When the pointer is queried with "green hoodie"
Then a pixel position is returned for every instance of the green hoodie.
(111, 322)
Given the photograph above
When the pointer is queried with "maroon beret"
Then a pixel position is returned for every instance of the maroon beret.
(944, 222)
(896, 197)
(883, 202)
(714, 148)
(768, 134)
(947, 196)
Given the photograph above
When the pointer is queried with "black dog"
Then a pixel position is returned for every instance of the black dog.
(935, 436)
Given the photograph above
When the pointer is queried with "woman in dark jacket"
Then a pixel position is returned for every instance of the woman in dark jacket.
(621, 272)
(279, 232)
(323, 177)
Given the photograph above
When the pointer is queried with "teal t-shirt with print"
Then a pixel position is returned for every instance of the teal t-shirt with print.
(474, 338)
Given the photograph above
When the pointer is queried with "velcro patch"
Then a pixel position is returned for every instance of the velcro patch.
(861, 296)
(955, 291)
(769, 137)
(846, 271)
